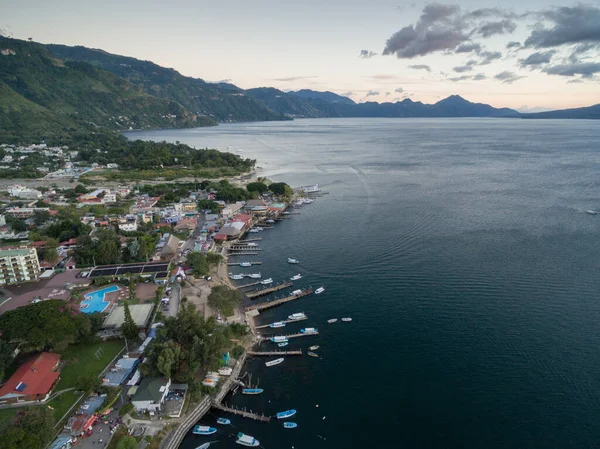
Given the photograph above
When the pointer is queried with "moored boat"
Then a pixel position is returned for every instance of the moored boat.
(296, 277)
(290, 425)
(282, 344)
(252, 391)
(309, 330)
(245, 264)
(313, 354)
(267, 281)
(223, 421)
(319, 290)
(204, 446)
(255, 275)
(253, 230)
(314, 348)
(226, 371)
(279, 339)
(247, 440)
(270, 221)
(286, 414)
(236, 276)
(275, 362)
(290, 260)
(332, 320)
(297, 316)
(277, 324)
(346, 320)
(591, 212)
(204, 430)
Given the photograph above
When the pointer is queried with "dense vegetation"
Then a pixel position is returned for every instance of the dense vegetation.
(31, 428)
(200, 263)
(224, 299)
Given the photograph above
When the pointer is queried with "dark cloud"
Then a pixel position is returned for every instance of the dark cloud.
(294, 78)
(585, 69)
(366, 54)
(583, 51)
(490, 12)
(575, 81)
(398, 90)
(538, 58)
(372, 93)
(383, 77)
(420, 67)
(460, 78)
(468, 47)
(226, 80)
(492, 28)
(479, 77)
(347, 94)
(387, 94)
(465, 68)
(513, 44)
(507, 77)
(569, 25)
(489, 56)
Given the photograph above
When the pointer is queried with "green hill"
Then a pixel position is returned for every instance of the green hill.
(42, 96)
(223, 102)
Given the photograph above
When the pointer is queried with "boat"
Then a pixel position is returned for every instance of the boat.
(204, 430)
(319, 290)
(277, 324)
(252, 391)
(275, 362)
(346, 320)
(290, 425)
(255, 275)
(247, 440)
(279, 339)
(223, 421)
(209, 384)
(286, 414)
(267, 281)
(204, 446)
(591, 212)
(253, 230)
(286, 213)
(297, 316)
(296, 277)
(290, 260)
(225, 371)
(269, 221)
(245, 264)
(282, 344)
(311, 189)
(308, 201)
(332, 320)
(309, 330)
(313, 354)
(236, 276)
(314, 348)
(258, 228)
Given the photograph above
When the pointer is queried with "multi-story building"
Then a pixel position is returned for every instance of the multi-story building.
(24, 192)
(18, 264)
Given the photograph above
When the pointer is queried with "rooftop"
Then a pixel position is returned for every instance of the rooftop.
(151, 389)
(34, 377)
(139, 312)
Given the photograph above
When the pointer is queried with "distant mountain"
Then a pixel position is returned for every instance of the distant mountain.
(222, 101)
(328, 97)
(40, 95)
(590, 112)
(284, 103)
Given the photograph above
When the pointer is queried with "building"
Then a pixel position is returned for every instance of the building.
(24, 193)
(170, 249)
(25, 212)
(117, 373)
(234, 229)
(231, 209)
(18, 264)
(188, 207)
(140, 313)
(150, 394)
(33, 380)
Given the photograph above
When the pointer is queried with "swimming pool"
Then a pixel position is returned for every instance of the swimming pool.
(94, 301)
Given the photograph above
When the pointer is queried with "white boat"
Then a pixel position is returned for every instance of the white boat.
(204, 446)
(309, 330)
(275, 362)
(279, 339)
(255, 275)
(296, 277)
(204, 430)
(297, 316)
(319, 290)
(290, 260)
(346, 320)
(236, 276)
(311, 189)
(269, 221)
(283, 344)
(308, 201)
(277, 324)
(286, 213)
(591, 212)
(314, 348)
(267, 281)
(252, 244)
(225, 371)
(247, 440)
(258, 228)
(332, 320)
(253, 230)
(245, 264)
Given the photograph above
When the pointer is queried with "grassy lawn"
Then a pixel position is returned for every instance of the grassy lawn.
(81, 361)
(6, 414)
(62, 403)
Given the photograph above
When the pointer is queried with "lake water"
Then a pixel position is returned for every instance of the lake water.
(463, 253)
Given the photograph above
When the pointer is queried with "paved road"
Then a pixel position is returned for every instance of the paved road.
(175, 300)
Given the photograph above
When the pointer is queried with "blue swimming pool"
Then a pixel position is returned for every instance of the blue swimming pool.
(94, 301)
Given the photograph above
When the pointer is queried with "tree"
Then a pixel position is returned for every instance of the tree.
(198, 263)
(168, 359)
(281, 189)
(18, 226)
(40, 217)
(87, 383)
(31, 428)
(224, 299)
(129, 328)
(108, 253)
(6, 356)
(50, 254)
(257, 186)
(127, 442)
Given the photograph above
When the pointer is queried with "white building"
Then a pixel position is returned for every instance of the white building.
(231, 209)
(18, 264)
(150, 394)
(18, 191)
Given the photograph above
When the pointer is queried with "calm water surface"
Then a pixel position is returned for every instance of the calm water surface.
(462, 250)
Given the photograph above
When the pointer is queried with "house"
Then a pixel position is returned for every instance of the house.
(186, 224)
(150, 394)
(170, 249)
(33, 380)
(117, 373)
(231, 209)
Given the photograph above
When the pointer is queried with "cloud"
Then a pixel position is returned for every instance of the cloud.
(490, 29)
(491, 12)
(367, 54)
(294, 78)
(513, 44)
(582, 51)
(460, 78)
(479, 77)
(507, 77)
(226, 80)
(489, 56)
(382, 77)
(372, 93)
(468, 47)
(585, 69)
(575, 81)
(387, 94)
(538, 58)
(398, 90)
(347, 94)
(465, 68)
(568, 25)
(420, 67)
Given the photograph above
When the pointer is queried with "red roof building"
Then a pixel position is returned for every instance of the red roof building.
(33, 380)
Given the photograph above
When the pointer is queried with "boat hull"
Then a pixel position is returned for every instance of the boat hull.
(286, 414)
(252, 391)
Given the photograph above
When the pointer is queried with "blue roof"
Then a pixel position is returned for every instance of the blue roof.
(120, 371)
(21, 386)
(60, 441)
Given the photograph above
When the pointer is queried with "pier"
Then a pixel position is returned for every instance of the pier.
(241, 242)
(238, 264)
(252, 284)
(242, 253)
(286, 322)
(277, 302)
(239, 412)
(245, 248)
(290, 336)
(273, 353)
(266, 291)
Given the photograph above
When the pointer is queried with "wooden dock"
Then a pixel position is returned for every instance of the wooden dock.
(277, 302)
(246, 414)
(272, 353)
(266, 291)
(265, 338)
(258, 239)
(245, 248)
(242, 253)
(238, 264)
(286, 321)
(252, 284)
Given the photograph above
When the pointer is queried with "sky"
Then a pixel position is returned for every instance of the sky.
(529, 55)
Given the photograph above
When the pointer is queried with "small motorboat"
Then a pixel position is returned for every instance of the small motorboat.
(267, 281)
(253, 230)
(309, 330)
(270, 221)
(277, 324)
(290, 260)
(255, 275)
(204, 430)
(226, 371)
(296, 277)
(313, 354)
(314, 348)
(279, 339)
(297, 316)
(346, 320)
(245, 264)
(204, 446)
(319, 290)
(286, 213)
(282, 344)
(286, 414)
(247, 440)
(290, 425)
(332, 320)
(275, 362)
(236, 276)
(223, 421)
(591, 212)
(252, 391)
